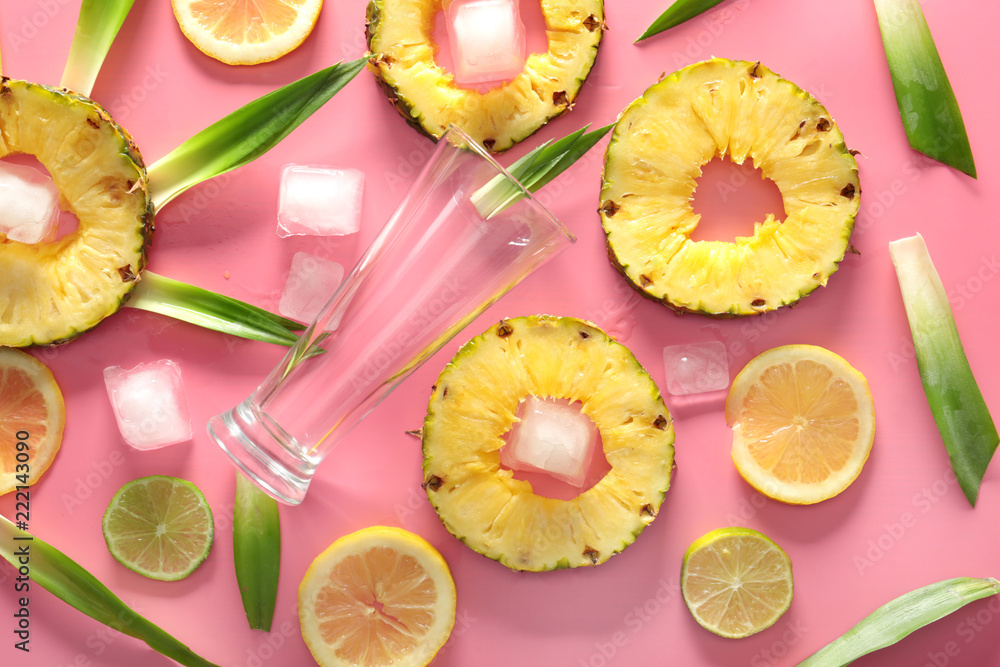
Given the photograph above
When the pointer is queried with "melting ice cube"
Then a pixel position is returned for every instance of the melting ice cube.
(310, 284)
(487, 40)
(553, 436)
(696, 368)
(319, 201)
(29, 203)
(149, 404)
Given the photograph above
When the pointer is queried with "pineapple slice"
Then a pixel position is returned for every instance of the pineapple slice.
(402, 58)
(473, 406)
(741, 110)
(52, 292)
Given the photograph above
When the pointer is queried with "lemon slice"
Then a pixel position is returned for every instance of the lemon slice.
(736, 581)
(159, 526)
(803, 423)
(379, 596)
(246, 32)
(32, 417)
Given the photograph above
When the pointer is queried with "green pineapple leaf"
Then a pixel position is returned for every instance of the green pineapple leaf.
(60, 575)
(96, 29)
(204, 308)
(247, 133)
(535, 170)
(677, 13)
(927, 104)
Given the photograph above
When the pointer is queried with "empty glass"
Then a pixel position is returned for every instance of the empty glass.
(434, 267)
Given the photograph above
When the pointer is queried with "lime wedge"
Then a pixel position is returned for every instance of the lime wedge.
(736, 581)
(159, 526)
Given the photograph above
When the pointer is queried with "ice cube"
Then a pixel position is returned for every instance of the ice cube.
(696, 368)
(310, 284)
(319, 201)
(552, 436)
(149, 404)
(487, 40)
(29, 203)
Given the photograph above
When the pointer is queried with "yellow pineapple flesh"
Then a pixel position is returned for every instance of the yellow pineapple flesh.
(740, 110)
(52, 291)
(473, 406)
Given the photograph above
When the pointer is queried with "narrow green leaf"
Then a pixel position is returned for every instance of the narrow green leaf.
(256, 551)
(247, 133)
(956, 402)
(927, 104)
(70, 582)
(96, 29)
(535, 170)
(204, 308)
(896, 619)
(677, 13)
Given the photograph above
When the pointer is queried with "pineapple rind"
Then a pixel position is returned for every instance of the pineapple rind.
(51, 292)
(744, 111)
(474, 404)
(402, 58)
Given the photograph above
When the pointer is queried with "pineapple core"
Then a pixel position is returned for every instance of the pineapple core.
(552, 436)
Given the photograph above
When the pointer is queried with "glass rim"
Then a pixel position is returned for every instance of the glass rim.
(468, 143)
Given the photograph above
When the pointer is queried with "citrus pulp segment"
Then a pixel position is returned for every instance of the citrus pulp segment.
(736, 581)
(32, 418)
(803, 423)
(378, 596)
(245, 32)
(160, 527)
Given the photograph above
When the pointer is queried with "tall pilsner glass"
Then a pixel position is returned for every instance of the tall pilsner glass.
(435, 266)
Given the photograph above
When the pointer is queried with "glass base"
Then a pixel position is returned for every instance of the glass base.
(262, 454)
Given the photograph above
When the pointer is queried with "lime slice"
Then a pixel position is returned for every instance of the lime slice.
(736, 581)
(159, 526)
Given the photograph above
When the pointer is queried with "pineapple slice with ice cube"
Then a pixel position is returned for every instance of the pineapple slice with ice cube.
(52, 291)
(473, 407)
(402, 57)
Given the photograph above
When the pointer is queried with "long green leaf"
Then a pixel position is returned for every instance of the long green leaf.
(956, 402)
(900, 617)
(927, 104)
(96, 29)
(204, 308)
(256, 551)
(63, 577)
(535, 170)
(247, 133)
(677, 13)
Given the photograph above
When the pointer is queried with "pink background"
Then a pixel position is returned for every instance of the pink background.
(903, 524)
